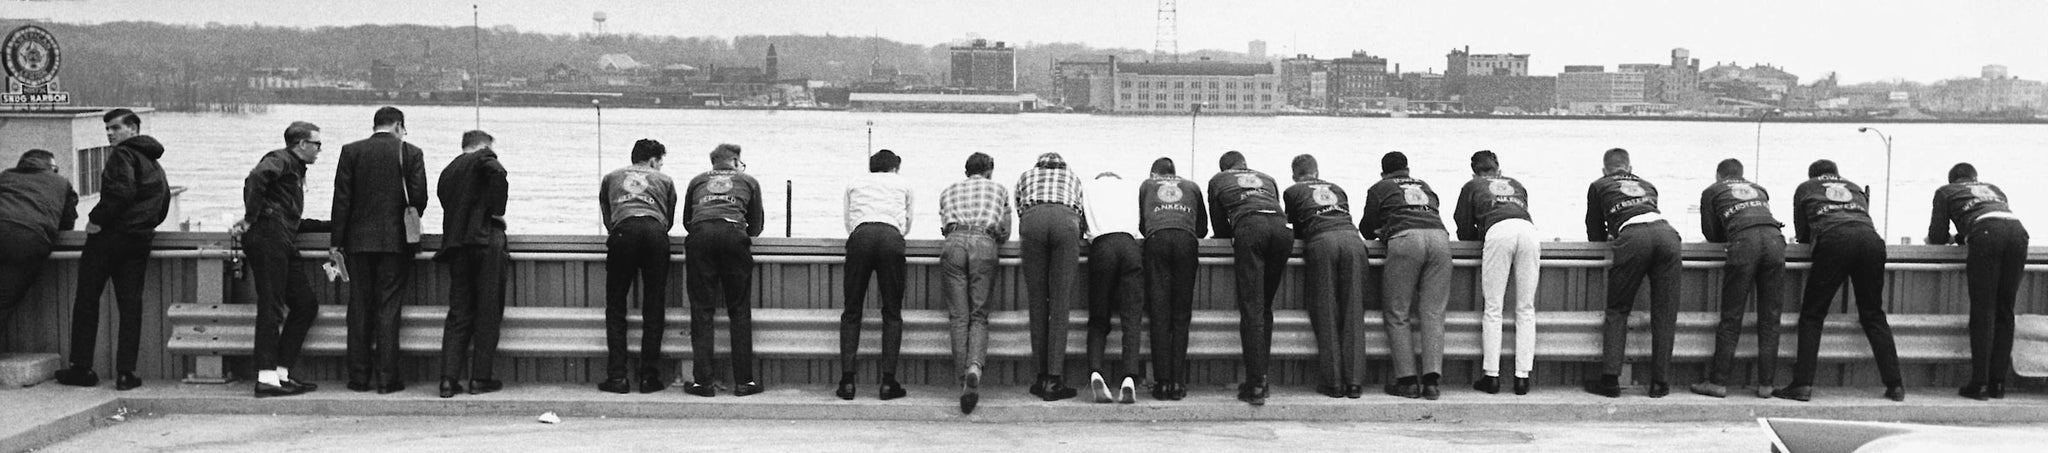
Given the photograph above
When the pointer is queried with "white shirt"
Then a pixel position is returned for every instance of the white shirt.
(879, 197)
(1112, 206)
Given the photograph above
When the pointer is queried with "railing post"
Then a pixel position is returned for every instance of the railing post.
(212, 289)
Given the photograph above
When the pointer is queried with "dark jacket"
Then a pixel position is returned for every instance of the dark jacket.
(1487, 200)
(1316, 206)
(1732, 205)
(1399, 203)
(1236, 193)
(369, 204)
(1172, 203)
(1962, 203)
(473, 193)
(38, 199)
(134, 193)
(1826, 203)
(727, 196)
(1614, 199)
(275, 191)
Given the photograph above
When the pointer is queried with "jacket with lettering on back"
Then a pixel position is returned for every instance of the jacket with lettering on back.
(1399, 203)
(1962, 203)
(1731, 205)
(1614, 199)
(1236, 193)
(1827, 203)
(1316, 206)
(724, 195)
(1171, 203)
(1487, 200)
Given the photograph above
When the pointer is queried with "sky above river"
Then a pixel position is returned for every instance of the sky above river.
(1863, 40)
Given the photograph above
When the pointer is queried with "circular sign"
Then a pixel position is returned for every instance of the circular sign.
(1169, 193)
(1249, 181)
(1839, 192)
(1743, 191)
(1323, 196)
(1984, 192)
(1501, 188)
(1631, 188)
(31, 55)
(719, 184)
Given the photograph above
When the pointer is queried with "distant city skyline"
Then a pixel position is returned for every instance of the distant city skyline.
(1863, 41)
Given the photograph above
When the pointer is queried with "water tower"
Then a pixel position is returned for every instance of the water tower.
(597, 19)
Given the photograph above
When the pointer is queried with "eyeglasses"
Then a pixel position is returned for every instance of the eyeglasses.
(315, 143)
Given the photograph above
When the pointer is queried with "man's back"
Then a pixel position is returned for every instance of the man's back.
(1170, 202)
(37, 199)
(372, 188)
(1236, 193)
(976, 203)
(1732, 205)
(1826, 203)
(637, 191)
(724, 195)
(1316, 206)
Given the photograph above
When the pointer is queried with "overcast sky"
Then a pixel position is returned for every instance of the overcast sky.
(1865, 40)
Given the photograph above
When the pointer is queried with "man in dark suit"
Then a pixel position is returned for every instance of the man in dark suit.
(377, 179)
(473, 192)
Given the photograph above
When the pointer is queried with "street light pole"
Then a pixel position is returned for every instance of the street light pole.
(601, 227)
(1887, 175)
(1758, 164)
(871, 137)
(1194, 113)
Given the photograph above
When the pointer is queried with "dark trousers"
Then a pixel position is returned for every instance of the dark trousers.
(121, 257)
(1756, 261)
(1116, 277)
(720, 259)
(636, 249)
(285, 307)
(1335, 300)
(1170, 265)
(1998, 258)
(1051, 244)
(375, 280)
(476, 309)
(1855, 255)
(22, 254)
(1642, 250)
(1260, 250)
(873, 249)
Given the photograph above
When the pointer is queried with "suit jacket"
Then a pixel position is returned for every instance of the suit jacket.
(369, 203)
(473, 192)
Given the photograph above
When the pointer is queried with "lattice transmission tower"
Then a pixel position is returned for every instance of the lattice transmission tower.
(1166, 38)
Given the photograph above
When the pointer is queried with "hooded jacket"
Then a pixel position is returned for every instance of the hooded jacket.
(135, 196)
(37, 199)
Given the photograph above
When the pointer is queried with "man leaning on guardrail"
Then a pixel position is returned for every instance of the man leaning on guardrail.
(1996, 263)
(1403, 212)
(35, 203)
(274, 199)
(1495, 209)
(1173, 218)
(1622, 208)
(473, 193)
(135, 196)
(878, 213)
(1833, 214)
(1244, 206)
(1335, 278)
(722, 210)
(976, 213)
(1738, 212)
(638, 205)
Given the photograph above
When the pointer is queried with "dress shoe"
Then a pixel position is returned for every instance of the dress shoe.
(1995, 390)
(266, 390)
(1128, 393)
(703, 390)
(1178, 392)
(297, 386)
(450, 386)
(1332, 391)
(1764, 391)
(1521, 386)
(1404, 390)
(1430, 392)
(78, 377)
(359, 386)
(391, 387)
(615, 385)
(972, 378)
(1354, 391)
(1795, 393)
(1895, 393)
(1160, 390)
(1055, 391)
(1253, 393)
(1975, 392)
(127, 381)
(1100, 388)
(846, 390)
(650, 383)
(892, 390)
(1710, 389)
(1488, 384)
(968, 401)
(1659, 389)
(1603, 388)
(748, 388)
(482, 386)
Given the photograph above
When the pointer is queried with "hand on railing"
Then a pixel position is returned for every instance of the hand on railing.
(235, 232)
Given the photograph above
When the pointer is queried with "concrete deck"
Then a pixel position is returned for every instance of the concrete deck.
(49, 413)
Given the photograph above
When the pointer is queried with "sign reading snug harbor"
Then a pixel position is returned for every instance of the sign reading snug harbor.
(31, 57)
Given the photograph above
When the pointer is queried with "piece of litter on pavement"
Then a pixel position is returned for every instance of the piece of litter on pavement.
(550, 418)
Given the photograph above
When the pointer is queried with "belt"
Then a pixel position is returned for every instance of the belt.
(1998, 215)
(1640, 219)
(964, 228)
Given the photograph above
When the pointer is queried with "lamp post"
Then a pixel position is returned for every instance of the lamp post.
(1194, 113)
(871, 137)
(601, 227)
(1759, 160)
(1887, 175)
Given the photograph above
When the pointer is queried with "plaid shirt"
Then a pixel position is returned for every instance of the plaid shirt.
(977, 203)
(1041, 185)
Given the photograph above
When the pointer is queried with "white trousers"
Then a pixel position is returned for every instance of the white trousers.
(1512, 250)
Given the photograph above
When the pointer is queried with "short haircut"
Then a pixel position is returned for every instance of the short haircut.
(1615, 158)
(980, 164)
(473, 138)
(883, 161)
(725, 152)
(1230, 161)
(1305, 165)
(1961, 171)
(388, 116)
(647, 149)
(1393, 161)
(1484, 161)
(297, 132)
(1729, 167)
(1163, 165)
(36, 158)
(124, 116)
(1821, 167)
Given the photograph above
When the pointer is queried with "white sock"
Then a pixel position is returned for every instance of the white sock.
(1521, 374)
(284, 374)
(267, 377)
(1493, 374)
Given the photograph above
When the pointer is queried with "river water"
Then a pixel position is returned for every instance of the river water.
(556, 156)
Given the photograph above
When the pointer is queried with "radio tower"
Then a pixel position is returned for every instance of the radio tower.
(1166, 39)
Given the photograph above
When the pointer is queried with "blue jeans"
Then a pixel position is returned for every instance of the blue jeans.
(969, 262)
